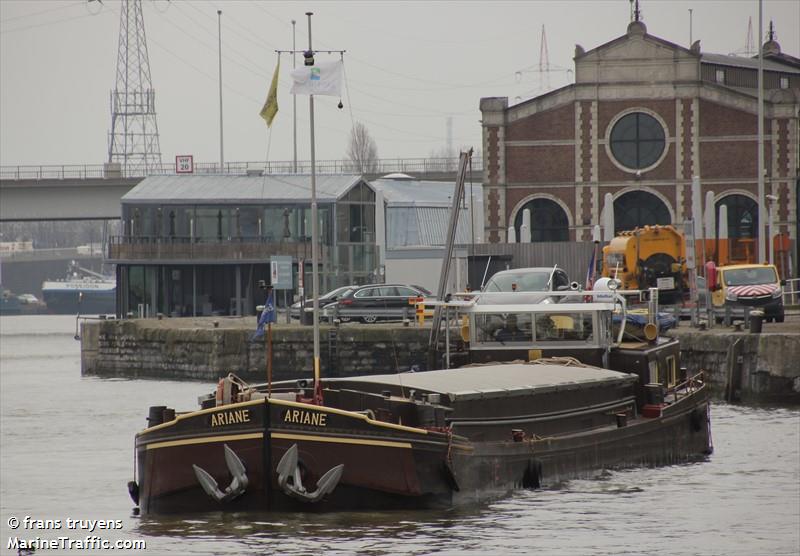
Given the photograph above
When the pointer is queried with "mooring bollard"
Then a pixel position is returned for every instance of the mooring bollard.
(756, 321)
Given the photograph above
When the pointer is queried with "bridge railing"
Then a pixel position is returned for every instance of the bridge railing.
(377, 167)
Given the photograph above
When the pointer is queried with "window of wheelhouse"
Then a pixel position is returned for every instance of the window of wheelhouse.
(571, 326)
(672, 371)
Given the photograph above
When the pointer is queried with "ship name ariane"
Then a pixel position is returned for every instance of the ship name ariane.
(230, 417)
(305, 417)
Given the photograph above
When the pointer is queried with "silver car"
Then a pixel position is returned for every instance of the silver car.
(526, 285)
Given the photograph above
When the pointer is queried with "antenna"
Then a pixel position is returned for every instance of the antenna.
(544, 59)
(133, 140)
(750, 49)
(749, 46)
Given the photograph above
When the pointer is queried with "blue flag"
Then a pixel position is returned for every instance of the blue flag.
(267, 315)
(591, 272)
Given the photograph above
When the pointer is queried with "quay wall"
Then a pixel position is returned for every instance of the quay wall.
(202, 351)
(753, 368)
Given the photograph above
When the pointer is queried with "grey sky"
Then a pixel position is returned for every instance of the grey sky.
(409, 66)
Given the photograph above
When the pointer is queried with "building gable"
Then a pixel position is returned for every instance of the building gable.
(636, 57)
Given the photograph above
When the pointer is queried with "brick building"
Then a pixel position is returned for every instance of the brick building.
(643, 117)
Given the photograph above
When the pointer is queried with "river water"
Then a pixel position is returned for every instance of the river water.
(66, 453)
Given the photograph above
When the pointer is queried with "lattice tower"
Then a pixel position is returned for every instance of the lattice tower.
(133, 140)
(544, 60)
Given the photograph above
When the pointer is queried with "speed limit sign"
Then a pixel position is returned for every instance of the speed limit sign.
(184, 164)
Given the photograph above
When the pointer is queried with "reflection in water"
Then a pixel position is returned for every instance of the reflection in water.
(67, 451)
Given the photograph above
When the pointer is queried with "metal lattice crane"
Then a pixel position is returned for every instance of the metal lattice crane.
(133, 141)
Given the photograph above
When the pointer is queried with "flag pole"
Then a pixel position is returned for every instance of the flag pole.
(314, 269)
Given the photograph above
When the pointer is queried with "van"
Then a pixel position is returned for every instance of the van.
(756, 286)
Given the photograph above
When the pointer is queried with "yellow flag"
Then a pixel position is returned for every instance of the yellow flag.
(270, 107)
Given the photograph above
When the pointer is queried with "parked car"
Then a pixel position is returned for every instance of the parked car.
(525, 285)
(755, 286)
(324, 300)
(374, 302)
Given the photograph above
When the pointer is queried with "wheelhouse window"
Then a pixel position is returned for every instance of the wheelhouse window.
(565, 327)
(568, 327)
(637, 140)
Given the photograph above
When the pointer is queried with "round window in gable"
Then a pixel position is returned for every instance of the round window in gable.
(637, 140)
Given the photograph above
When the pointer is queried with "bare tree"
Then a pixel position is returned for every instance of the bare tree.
(362, 150)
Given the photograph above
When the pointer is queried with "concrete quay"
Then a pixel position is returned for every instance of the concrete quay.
(740, 366)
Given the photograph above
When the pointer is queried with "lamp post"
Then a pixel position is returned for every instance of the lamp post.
(219, 35)
(294, 101)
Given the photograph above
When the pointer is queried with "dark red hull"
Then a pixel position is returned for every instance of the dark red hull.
(387, 465)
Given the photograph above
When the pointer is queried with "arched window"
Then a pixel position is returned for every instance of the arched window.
(548, 221)
(742, 227)
(742, 216)
(637, 140)
(639, 208)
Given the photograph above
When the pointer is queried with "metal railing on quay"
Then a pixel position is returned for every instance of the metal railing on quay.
(376, 167)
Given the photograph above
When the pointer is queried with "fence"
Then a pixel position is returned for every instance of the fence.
(377, 167)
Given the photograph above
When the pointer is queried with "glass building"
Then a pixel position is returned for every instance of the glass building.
(199, 245)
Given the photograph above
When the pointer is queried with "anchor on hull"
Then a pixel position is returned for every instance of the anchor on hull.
(238, 483)
(291, 482)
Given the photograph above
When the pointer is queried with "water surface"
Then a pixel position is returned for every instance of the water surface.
(66, 451)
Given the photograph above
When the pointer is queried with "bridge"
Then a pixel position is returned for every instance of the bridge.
(93, 192)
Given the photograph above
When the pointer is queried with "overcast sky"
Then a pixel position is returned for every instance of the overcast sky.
(410, 67)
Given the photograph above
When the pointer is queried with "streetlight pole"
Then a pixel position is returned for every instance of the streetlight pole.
(219, 35)
(762, 251)
(294, 99)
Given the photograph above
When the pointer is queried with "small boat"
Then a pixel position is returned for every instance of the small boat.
(436, 438)
(82, 291)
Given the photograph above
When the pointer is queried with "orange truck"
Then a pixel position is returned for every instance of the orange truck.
(648, 257)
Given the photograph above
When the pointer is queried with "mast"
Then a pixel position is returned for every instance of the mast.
(458, 192)
(308, 56)
(314, 247)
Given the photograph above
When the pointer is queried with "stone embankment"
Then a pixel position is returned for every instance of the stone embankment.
(740, 365)
(208, 348)
(752, 368)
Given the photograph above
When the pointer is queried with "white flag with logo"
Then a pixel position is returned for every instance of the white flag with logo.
(321, 79)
